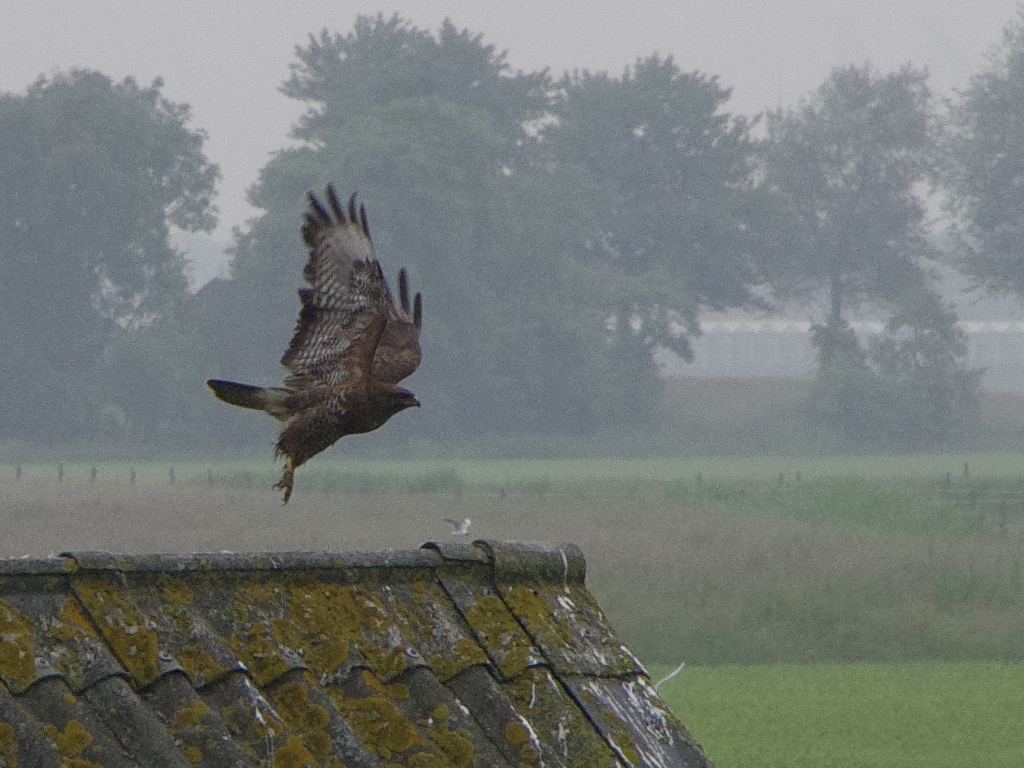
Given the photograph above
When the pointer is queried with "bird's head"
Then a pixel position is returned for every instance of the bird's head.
(399, 399)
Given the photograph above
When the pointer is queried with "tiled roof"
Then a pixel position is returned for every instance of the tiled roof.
(483, 654)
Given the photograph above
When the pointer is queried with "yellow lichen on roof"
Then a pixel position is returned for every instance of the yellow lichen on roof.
(190, 715)
(127, 631)
(467, 653)
(498, 629)
(539, 698)
(293, 754)
(201, 668)
(8, 746)
(328, 616)
(71, 622)
(78, 762)
(17, 648)
(73, 739)
(446, 659)
(176, 591)
(380, 725)
(619, 734)
(515, 733)
(531, 605)
(456, 746)
(314, 618)
(177, 597)
(307, 720)
(70, 742)
(258, 649)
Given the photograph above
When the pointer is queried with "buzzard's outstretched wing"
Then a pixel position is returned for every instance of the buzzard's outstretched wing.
(347, 306)
(349, 329)
(398, 353)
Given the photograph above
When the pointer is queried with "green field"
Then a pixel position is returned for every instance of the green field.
(854, 715)
(859, 611)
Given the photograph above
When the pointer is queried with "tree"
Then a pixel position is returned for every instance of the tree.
(909, 389)
(92, 174)
(515, 332)
(985, 168)
(669, 174)
(848, 165)
(508, 341)
(382, 61)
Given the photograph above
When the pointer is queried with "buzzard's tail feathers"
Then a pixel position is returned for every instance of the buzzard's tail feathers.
(269, 399)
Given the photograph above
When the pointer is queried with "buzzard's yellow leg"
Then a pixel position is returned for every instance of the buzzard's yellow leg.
(287, 479)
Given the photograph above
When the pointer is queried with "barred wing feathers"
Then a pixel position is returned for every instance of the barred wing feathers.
(349, 328)
(345, 310)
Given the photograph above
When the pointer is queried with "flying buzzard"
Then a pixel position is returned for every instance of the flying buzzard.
(351, 346)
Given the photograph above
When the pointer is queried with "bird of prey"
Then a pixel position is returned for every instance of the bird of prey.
(351, 347)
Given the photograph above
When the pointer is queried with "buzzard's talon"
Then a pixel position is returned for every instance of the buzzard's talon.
(287, 479)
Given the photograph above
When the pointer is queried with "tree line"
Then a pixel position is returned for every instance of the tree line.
(562, 229)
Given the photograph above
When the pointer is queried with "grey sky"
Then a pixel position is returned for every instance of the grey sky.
(227, 58)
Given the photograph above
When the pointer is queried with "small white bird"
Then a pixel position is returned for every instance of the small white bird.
(459, 527)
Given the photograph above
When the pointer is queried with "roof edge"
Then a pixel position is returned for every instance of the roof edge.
(512, 561)
(249, 561)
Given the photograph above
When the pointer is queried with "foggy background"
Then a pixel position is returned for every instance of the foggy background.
(559, 362)
(725, 235)
(228, 60)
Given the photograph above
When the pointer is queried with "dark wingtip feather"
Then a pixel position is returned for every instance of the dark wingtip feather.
(403, 290)
(417, 311)
(332, 198)
(325, 217)
(362, 220)
(352, 208)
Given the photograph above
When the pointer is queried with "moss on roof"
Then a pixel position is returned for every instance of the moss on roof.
(488, 654)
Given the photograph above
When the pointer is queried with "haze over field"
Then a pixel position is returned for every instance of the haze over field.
(572, 210)
(227, 59)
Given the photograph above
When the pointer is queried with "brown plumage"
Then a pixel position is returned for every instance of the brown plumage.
(351, 346)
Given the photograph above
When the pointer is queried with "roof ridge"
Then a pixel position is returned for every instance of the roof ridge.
(513, 561)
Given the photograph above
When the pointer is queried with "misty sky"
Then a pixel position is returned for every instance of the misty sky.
(227, 58)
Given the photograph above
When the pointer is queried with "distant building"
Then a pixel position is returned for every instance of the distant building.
(760, 348)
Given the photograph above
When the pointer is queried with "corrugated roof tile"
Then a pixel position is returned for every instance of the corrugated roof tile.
(456, 654)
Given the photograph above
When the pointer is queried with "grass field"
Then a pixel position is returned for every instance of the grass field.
(912, 560)
(615, 476)
(854, 715)
(774, 579)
